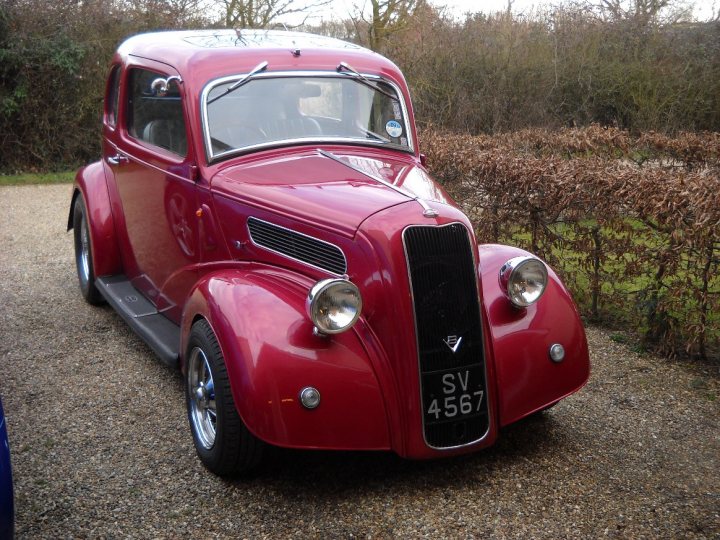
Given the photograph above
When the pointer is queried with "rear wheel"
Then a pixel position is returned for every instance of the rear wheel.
(83, 253)
(222, 441)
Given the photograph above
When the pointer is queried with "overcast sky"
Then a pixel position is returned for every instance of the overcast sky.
(342, 8)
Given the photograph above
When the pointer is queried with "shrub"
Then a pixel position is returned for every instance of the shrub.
(632, 223)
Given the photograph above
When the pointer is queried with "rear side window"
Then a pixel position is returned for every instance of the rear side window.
(113, 96)
(153, 117)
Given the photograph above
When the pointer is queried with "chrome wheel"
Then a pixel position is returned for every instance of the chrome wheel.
(222, 441)
(84, 255)
(83, 252)
(201, 397)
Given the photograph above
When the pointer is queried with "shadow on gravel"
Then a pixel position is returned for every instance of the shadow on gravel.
(328, 474)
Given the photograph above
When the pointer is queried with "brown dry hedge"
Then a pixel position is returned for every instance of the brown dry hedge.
(631, 223)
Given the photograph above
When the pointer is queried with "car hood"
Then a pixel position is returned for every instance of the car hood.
(320, 191)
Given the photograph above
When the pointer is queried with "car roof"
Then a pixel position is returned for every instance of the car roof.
(187, 42)
(198, 54)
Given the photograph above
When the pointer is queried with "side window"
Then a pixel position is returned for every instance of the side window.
(113, 97)
(155, 118)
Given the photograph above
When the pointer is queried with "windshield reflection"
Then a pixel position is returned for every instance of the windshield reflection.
(268, 110)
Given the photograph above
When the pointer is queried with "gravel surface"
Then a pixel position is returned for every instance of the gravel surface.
(101, 446)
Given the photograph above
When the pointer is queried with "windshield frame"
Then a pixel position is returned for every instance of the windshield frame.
(215, 157)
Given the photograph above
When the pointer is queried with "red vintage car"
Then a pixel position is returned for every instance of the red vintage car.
(263, 219)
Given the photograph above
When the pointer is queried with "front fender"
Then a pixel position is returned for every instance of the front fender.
(90, 181)
(527, 379)
(271, 353)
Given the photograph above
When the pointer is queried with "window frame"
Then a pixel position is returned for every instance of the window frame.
(215, 157)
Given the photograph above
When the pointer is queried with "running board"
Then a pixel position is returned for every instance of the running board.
(160, 333)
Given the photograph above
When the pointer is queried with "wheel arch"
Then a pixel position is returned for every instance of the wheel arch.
(271, 353)
(91, 183)
(520, 338)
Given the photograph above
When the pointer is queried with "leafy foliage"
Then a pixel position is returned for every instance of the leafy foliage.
(484, 74)
(489, 74)
(53, 63)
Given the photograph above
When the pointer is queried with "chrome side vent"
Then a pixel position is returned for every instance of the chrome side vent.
(297, 246)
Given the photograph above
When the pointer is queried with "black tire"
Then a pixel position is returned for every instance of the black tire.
(83, 254)
(225, 446)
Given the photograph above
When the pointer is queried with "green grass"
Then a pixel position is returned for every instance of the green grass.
(32, 178)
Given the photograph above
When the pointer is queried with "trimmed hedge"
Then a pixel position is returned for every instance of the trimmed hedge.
(632, 223)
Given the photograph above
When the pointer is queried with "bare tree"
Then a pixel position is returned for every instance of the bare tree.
(167, 12)
(643, 12)
(385, 18)
(715, 14)
(263, 13)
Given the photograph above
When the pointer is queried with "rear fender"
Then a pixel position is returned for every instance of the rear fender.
(527, 379)
(91, 182)
(258, 316)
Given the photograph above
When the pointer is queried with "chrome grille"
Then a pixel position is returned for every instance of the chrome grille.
(297, 246)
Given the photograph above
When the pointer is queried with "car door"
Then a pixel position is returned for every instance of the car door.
(152, 187)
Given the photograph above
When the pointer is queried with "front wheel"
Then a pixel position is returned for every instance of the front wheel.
(83, 253)
(222, 441)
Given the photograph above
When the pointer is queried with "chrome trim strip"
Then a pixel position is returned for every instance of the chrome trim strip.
(167, 172)
(417, 343)
(300, 234)
(280, 74)
(312, 141)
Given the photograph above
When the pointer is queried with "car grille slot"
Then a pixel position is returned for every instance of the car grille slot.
(297, 246)
(447, 315)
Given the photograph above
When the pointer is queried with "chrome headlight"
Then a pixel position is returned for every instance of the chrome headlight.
(523, 279)
(333, 305)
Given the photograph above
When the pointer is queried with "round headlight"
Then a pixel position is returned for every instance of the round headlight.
(524, 280)
(333, 305)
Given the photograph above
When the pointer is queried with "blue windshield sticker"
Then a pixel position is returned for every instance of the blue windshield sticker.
(393, 128)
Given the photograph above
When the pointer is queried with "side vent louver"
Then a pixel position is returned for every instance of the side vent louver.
(297, 246)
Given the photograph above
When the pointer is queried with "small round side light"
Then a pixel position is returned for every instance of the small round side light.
(310, 397)
(557, 352)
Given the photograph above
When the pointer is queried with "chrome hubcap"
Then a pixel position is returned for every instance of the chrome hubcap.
(201, 391)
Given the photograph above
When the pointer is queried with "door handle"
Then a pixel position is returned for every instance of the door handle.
(117, 159)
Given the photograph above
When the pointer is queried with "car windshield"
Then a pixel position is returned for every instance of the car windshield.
(270, 110)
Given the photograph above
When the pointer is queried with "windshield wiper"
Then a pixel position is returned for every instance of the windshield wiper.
(262, 66)
(364, 80)
(373, 135)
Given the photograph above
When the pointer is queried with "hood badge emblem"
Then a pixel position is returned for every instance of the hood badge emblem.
(453, 343)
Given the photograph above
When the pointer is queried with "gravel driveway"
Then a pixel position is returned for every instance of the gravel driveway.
(101, 445)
